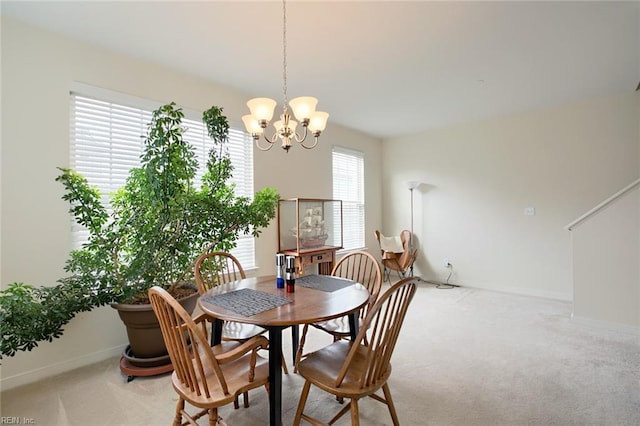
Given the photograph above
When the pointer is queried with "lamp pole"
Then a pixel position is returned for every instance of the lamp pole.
(411, 235)
(411, 185)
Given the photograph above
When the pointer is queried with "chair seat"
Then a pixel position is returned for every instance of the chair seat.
(235, 374)
(338, 326)
(240, 331)
(323, 367)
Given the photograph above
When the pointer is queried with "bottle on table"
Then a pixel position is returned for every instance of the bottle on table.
(290, 274)
(280, 270)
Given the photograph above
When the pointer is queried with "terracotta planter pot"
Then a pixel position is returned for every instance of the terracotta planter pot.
(143, 329)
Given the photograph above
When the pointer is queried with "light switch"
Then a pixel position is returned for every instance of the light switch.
(529, 211)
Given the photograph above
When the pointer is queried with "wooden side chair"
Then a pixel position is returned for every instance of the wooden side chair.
(357, 369)
(217, 268)
(206, 377)
(358, 266)
(397, 254)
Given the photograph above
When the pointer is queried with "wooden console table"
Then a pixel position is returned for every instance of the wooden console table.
(324, 257)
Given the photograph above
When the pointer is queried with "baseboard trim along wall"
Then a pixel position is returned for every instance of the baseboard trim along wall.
(35, 375)
(519, 291)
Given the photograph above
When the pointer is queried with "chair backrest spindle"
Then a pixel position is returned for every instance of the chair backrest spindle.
(379, 333)
(363, 268)
(216, 268)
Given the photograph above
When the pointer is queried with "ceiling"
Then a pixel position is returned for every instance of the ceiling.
(386, 68)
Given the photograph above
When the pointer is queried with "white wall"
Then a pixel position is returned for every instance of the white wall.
(38, 69)
(479, 177)
(605, 250)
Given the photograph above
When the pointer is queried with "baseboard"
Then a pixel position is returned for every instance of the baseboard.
(508, 290)
(563, 297)
(35, 375)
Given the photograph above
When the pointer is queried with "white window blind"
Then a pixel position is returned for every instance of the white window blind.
(348, 186)
(107, 140)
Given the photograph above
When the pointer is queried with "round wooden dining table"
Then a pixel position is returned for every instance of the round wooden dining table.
(305, 305)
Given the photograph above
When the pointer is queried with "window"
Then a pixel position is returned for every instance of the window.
(107, 139)
(348, 186)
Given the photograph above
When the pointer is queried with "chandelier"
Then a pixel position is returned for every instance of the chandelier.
(304, 110)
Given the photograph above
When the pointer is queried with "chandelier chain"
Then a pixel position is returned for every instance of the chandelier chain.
(284, 55)
(303, 109)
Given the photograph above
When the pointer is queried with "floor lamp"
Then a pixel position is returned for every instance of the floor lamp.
(412, 185)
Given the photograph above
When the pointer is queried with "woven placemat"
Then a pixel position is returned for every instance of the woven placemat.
(246, 302)
(324, 282)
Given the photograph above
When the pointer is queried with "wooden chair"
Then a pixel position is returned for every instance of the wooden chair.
(216, 268)
(400, 259)
(206, 377)
(358, 266)
(357, 369)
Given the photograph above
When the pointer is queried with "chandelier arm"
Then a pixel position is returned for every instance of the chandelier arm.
(260, 147)
(271, 141)
(312, 146)
(298, 138)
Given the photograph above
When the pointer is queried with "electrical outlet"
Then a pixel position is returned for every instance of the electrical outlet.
(447, 263)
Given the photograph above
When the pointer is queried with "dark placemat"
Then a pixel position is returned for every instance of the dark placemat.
(324, 282)
(246, 302)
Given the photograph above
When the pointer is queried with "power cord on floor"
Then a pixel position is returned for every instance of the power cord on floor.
(443, 286)
(447, 286)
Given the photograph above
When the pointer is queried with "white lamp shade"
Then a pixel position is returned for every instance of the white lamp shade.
(318, 121)
(251, 124)
(303, 107)
(292, 125)
(262, 108)
(412, 184)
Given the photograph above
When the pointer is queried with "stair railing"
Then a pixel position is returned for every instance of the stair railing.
(602, 205)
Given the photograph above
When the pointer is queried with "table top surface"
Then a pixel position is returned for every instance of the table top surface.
(307, 304)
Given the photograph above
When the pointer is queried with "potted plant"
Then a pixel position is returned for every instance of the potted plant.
(159, 224)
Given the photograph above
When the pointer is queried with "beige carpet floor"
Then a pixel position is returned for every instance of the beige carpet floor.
(464, 357)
